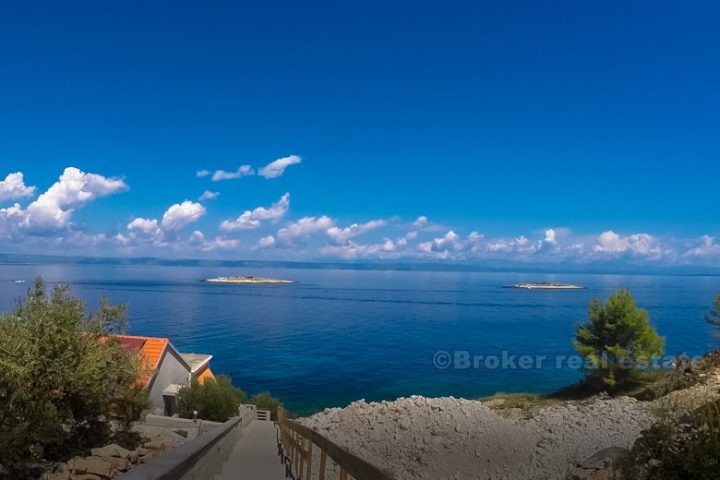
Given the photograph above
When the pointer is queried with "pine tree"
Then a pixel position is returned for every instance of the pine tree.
(616, 339)
(713, 317)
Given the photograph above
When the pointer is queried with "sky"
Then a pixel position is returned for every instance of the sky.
(562, 132)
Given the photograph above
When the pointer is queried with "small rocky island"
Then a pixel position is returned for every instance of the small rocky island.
(249, 280)
(546, 286)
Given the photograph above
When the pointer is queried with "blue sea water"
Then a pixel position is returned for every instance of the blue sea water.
(340, 335)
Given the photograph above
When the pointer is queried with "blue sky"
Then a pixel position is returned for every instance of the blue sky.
(506, 119)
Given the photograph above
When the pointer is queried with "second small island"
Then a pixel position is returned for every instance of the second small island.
(249, 279)
(546, 286)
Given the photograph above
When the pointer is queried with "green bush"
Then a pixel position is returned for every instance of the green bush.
(677, 448)
(713, 316)
(215, 400)
(616, 340)
(62, 380)
(265, 401)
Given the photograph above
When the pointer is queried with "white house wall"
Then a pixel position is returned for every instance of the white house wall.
(170, 371)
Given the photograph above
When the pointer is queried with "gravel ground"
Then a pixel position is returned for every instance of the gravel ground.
(447, 438)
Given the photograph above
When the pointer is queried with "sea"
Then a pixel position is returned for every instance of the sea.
(340, 335)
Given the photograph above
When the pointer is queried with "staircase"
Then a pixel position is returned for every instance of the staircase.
(246, 448)
(255, 454)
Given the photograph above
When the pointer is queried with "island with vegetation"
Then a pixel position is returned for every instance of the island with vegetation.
(250, 280)
(546, 286)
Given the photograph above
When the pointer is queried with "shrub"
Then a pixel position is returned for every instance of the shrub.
(61, 378)
(215, 400)
(713, 316)
(265, 401)
(616, 340)
(677, 448)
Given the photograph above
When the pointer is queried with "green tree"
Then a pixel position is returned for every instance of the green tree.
(616, 340)
(215, 400)
(713, 317)
(62, 379)
(265, 401)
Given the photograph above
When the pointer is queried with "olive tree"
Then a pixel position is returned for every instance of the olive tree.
(62, 378)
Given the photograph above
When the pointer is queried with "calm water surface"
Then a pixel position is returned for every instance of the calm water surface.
(341, 335)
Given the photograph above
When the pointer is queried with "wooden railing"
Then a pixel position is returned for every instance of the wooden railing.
(296, 445)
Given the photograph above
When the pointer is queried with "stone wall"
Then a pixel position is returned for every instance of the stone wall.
(202, 426)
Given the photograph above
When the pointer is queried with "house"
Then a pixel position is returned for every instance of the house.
(165, 369)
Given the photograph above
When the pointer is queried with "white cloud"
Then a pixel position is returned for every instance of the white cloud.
(639, 243)
(250, 220)
(421, 221)
(442, 247)
(342, 235)
(308, 237)
(196, 237)
(144, 230)
(610, 242)
(160, 234)
(409, 237)
(11, 219)
(304, 227)
(403, 241)
(449, 240)
(475, 237)
(202, 173)
(144, 226)
(121, 240)
(221, 243)
(242, 171)
(550, 236)
(198, 240)
(14, 188)
(474, 242)
(53, 209)
(707, 248)
(549, 243)
(520, 243)
(277, 168)
(266, 242)
(208, 195)
(179, 215)
(352, 250)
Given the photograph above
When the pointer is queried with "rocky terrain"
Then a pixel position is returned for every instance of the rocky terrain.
(107, 462)
(448, 438)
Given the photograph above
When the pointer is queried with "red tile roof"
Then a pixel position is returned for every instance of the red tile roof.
(150, 349)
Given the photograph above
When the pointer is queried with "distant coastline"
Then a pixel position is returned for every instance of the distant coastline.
(19, 259)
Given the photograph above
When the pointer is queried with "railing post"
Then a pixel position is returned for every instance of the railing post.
(309, 458)
(323, 459)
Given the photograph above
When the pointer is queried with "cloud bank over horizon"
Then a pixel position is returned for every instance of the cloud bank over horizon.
(46, 223)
